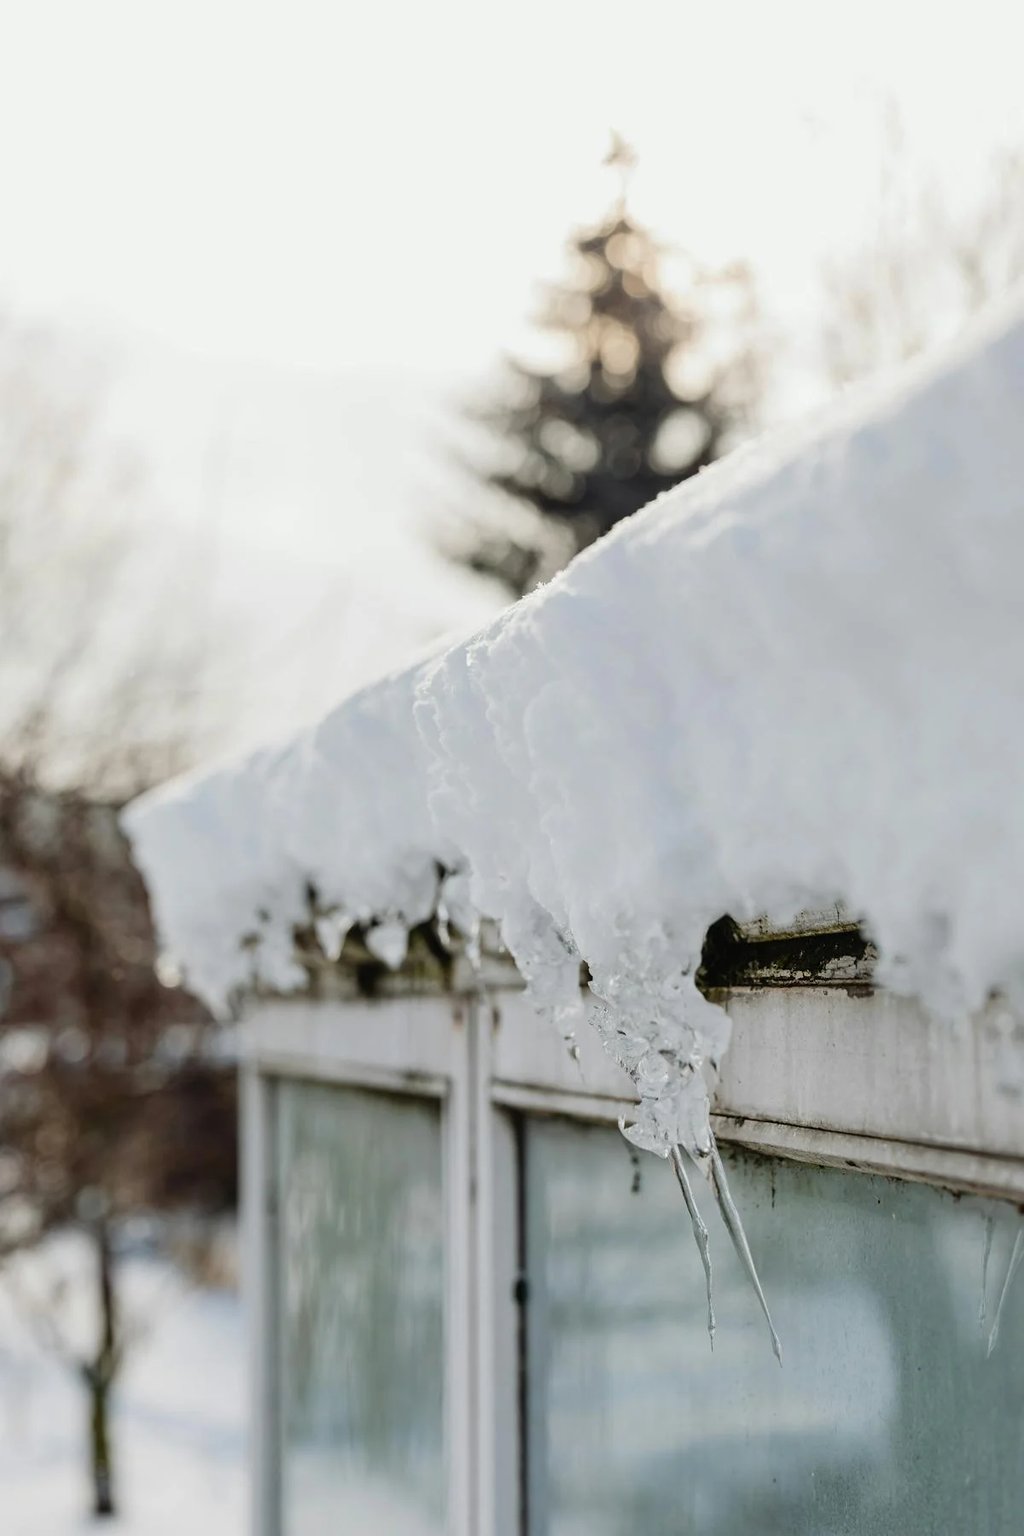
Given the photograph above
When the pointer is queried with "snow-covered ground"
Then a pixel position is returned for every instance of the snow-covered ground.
(179, 1421)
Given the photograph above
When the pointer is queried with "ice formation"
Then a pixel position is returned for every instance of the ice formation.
(795, 679)
(1016, 1258)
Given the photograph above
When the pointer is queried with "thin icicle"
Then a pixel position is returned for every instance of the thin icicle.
(700, 1232)
(731, 1217)
(474, 950)
(983, 1304)
(1011, 1270)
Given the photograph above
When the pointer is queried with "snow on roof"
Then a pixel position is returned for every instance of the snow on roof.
(795, 679)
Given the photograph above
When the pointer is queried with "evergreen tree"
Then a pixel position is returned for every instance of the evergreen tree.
(648, 392)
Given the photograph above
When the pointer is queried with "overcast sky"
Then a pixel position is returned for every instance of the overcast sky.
(353, 185)
(368, 192)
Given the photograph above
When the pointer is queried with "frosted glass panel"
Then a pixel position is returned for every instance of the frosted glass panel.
(360, 1304)
(886, 1418)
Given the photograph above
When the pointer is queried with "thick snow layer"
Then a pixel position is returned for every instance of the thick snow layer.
(795, 679)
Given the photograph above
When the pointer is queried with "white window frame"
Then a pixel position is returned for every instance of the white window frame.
(397, 1046)
(862, 1080)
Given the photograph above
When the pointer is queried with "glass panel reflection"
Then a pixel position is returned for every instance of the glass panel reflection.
(360, 1277)
(886, 1419)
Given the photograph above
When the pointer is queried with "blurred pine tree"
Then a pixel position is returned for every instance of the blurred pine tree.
(649, 389)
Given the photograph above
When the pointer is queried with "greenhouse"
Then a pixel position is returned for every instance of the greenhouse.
(632, 1018)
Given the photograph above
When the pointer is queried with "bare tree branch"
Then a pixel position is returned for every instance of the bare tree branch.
(927, 267)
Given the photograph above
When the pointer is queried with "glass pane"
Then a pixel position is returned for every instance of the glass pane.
(361, 1287)
(886, 1419)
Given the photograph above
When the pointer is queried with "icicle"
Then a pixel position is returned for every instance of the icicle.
(983, 1304)
(731, 1217)
(456, 912)
(1012, 1267)
(700, 1232)
(474, 951)
(332, 930)
(389, 941)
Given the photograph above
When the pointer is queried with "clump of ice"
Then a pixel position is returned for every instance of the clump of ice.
(796, 679)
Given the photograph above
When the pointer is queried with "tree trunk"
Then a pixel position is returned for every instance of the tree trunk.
(99, 1377)
(99, 1439)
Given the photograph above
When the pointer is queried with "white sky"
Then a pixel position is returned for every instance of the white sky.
(351, 185)
(357, 199)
